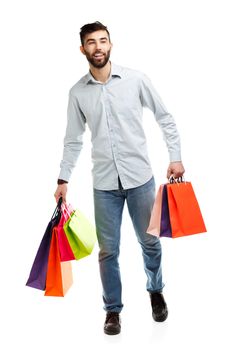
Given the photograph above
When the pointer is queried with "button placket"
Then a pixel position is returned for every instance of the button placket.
(112, 133)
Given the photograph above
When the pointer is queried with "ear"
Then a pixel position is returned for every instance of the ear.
(82, 50)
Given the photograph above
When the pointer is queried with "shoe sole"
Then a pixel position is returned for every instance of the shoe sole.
(160, 319)
(111, 332)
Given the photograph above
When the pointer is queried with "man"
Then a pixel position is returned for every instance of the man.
(110, 99)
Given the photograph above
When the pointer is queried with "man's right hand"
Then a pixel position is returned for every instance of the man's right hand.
(61, 191)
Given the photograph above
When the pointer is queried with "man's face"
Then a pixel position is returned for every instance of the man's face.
(97, 48)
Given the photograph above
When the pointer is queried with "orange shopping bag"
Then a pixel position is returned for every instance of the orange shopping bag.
(59, 274)
(155, 219)
(185, 214)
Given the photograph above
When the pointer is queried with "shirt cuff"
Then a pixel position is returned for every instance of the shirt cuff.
(65, 174)
(175, 157)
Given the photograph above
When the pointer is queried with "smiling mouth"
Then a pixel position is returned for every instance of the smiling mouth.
(98, 55)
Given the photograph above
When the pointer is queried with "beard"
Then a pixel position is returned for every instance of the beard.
(98, 62)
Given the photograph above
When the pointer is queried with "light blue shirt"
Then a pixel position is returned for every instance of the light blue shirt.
(113, 112)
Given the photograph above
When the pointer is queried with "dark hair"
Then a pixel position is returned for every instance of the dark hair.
(90, 28)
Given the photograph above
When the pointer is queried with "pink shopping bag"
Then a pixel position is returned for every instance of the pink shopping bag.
(65, 250)
(155, 219)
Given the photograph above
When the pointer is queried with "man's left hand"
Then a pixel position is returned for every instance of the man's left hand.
(176, 169)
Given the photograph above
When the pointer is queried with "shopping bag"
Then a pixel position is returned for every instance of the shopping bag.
(155, 219)
(65, 250)
(185, 214)
(59, 274)
(81, 234)
(165, 223)
(37, 276)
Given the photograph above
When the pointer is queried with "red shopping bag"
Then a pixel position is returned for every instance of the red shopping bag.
(59, 274)
(184, 211)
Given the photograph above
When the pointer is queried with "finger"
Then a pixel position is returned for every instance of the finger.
(57, 197)
(169, 172)
(177, 175)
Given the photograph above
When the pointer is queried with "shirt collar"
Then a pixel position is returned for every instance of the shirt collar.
(115, 72)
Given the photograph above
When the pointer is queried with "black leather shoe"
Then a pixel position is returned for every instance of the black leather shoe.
(112, 324)
(159, 307)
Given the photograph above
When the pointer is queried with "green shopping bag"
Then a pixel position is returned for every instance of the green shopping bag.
(81, 234)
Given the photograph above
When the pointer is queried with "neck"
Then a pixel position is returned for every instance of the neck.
(101, 74)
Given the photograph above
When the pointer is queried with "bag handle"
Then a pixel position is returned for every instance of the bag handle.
(173, 180)
(64, 208)
(58, 208)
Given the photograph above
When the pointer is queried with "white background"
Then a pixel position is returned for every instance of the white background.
(187, 49)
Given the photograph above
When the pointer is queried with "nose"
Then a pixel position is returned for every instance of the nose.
(98, 45)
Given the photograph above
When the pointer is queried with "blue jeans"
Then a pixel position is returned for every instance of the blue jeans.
(108, 207)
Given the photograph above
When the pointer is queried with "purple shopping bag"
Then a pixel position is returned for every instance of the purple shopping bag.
(165, 226)
(37, 276)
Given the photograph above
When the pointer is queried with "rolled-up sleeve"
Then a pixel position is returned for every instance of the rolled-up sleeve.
(73, 140)
(151, 99)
